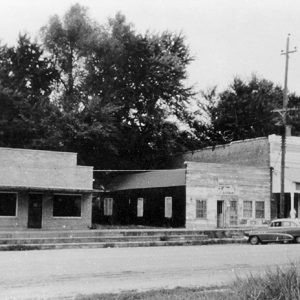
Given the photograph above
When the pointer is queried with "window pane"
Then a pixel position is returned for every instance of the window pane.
(259, 209)
(168, 207)
(8, 204)
(140, 207)
(247, 210)
(108, 206)
(201, 210)
(67, 206)
(286, 224)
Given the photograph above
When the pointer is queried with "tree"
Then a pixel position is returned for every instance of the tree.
(245, 110)
(69, 40)
(25, 84)
(143, 77)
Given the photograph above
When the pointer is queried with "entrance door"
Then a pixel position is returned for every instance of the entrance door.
(233, 213)
(220, 214)
(35, 210)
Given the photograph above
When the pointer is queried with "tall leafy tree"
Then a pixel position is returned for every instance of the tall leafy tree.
(25, 84)
(245, 110)
(143, 76)
(69, 40)
(119, 92)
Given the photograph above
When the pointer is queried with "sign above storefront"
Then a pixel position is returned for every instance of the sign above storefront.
(226, 189)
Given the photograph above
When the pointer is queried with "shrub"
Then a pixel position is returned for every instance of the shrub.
(279, 284)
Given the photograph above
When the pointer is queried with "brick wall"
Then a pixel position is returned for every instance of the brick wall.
(223, 182)
(83, 222)
(48, 221)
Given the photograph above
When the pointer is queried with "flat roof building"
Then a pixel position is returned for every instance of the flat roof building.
(44, 189)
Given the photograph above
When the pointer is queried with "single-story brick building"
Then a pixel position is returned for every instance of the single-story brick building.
(44, 189)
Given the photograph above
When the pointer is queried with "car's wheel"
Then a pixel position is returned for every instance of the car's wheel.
(297, 239)
(254, 240)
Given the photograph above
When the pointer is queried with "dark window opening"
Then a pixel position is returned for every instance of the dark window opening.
(67, 206)
(8, 204)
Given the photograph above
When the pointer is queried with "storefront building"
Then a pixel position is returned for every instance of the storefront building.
(44, 190)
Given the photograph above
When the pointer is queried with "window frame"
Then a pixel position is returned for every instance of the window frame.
(140, 207)
(261, 210)
(168, 207)
(245, 216)
(201, 209)
(17, 203)
(108, 210)
(66, 217)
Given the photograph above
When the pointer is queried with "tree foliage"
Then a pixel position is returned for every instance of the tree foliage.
(119, 98)
(245, 110)
(25, 84)
(118, 91)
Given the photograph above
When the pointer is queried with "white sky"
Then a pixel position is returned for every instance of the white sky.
(226, 37)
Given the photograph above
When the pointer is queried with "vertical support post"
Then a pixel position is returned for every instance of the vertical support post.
(283, 136)
(282, 177)
(293, 211)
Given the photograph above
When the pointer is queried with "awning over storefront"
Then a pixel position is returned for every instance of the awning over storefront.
(148, 179)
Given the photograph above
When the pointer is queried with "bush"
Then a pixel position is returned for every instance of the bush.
(278, 284)
(281, 284)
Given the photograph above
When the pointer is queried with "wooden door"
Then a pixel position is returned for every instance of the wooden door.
(220, 214)
(35, 203)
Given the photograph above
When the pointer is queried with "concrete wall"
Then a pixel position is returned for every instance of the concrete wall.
(36, 158)
(20, 222)
(74, 178)
(252, 152)
(224, 182)
(43, 169)
(292, 158)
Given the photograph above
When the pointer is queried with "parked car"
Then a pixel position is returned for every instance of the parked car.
(280, 230)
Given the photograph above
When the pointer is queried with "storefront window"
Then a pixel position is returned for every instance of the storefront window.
(8, 204)
(67, 206)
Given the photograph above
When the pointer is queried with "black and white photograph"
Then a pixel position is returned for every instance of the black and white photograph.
(150, 149)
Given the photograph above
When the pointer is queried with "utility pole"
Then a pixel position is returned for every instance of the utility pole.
(283, 113)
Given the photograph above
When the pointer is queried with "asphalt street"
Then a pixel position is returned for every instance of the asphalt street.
(66, 273)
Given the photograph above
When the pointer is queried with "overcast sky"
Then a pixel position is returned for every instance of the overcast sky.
(226, 37)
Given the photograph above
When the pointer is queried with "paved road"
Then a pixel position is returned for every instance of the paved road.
(66, 273)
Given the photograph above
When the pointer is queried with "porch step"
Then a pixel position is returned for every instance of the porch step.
(213, 233)
(100, 239)
(11, 247)
(26, 240)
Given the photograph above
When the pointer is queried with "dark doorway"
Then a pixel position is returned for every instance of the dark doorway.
(35, 210)
(220, 214)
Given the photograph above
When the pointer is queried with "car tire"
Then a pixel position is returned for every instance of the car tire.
(297, 239)
(254, 240)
